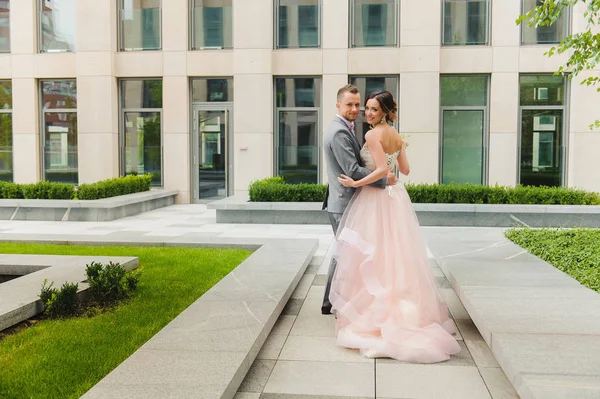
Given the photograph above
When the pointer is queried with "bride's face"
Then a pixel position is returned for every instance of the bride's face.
(373, 112)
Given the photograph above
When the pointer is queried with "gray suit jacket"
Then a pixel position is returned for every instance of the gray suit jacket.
(342, 154)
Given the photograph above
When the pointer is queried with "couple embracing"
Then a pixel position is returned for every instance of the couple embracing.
(380, 285)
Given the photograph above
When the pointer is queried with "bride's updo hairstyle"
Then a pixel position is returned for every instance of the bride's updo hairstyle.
(387, 103)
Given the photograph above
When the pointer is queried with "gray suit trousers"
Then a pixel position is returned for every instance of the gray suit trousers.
(334, 219)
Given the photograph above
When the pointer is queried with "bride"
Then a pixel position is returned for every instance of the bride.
(383, 292)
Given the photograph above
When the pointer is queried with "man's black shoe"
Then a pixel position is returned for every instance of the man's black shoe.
(325, 310)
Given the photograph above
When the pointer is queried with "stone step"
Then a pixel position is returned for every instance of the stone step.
(207, 350)
(542, 326)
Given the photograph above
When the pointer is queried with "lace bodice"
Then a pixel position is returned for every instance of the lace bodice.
(367, 159)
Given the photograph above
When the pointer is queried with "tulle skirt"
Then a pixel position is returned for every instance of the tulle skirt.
(383, 291)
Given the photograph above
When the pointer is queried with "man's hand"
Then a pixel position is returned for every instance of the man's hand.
(391, 178)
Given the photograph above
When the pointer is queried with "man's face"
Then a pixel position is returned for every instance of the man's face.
(349, 106)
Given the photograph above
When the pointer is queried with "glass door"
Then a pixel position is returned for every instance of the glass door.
(211, 153)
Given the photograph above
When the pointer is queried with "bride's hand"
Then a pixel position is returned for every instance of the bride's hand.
(346, 181)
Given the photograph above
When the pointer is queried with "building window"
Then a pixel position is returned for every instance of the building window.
(367, 85)
(140, 25)
(211, 90)
(298, 23)
(544, 34)
(141, 129)
(464, 127)
(59, 130)
(6, 141)
(4, 26)
(57, 29)
(465, 22)
(374, 23)
(541, 144)
(212, 24)
(297, 141)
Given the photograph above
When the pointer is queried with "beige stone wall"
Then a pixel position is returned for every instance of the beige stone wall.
(253, 64)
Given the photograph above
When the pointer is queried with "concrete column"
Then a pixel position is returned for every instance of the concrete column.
(176, 98)
(97, 92)
(26, 139)
(253, 81)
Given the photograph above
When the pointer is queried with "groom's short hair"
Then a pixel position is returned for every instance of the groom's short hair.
(347, 89)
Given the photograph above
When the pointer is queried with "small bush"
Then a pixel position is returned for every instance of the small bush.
(47, 190)
(275, 189)
(110, 283)
(107, 285)
(61, 302)
(114, 187)
(11, 190)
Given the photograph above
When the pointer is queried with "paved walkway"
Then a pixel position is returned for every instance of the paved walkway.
(299, 359)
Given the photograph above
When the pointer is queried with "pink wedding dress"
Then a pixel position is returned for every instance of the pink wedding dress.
(383, 292)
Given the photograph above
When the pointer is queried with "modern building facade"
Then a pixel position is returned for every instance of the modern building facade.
(210, 95)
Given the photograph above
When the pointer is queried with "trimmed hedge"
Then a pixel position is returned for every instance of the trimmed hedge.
(102, 189)
(276, 190)
(573, 251)
(39, 190)
(114, 187)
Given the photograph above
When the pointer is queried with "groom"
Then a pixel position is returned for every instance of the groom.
(342, 154)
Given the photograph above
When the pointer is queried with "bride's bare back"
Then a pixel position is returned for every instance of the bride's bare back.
(391, 143)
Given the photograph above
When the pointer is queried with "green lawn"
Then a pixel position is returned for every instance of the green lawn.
(65, 358)
(574, 251)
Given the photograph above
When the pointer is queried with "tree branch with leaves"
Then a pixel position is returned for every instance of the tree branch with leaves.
(583, 47)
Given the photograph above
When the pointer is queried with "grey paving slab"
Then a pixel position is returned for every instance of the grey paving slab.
(560, 387)
(154, 370)
(498, 385)
(247, 395)
(283, 325)
(482, 355)
(547, 311)
(303, 286)
(257, 376)
(272, 347)
(293, 396)
(429, 381)
(524, 271)
(468, 330)
(310, 321)
(162, 391)
(320, 279)
(559, 355)
(322, 378)
(319, 349)
(224, 326)
(292, 308)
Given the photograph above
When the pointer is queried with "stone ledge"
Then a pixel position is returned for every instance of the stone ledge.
(237, 209)
(105, 209)
(207, 350)
(542, 326)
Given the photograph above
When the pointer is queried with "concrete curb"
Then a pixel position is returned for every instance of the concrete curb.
(78, 210)
(237, 209)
